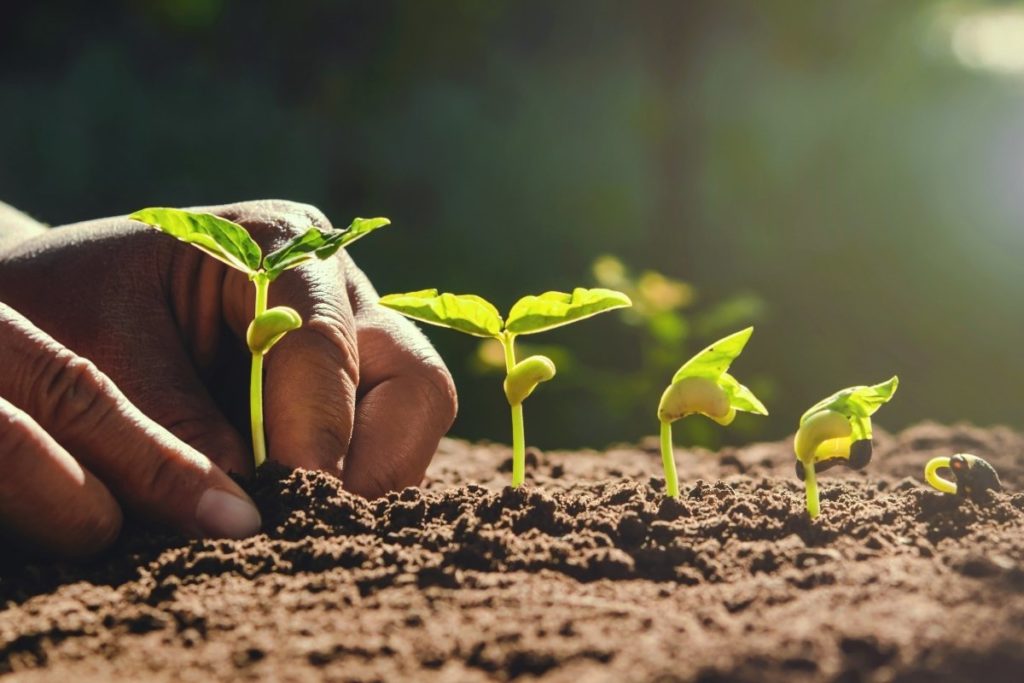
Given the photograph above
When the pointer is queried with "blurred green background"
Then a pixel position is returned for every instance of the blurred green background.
(848, 176)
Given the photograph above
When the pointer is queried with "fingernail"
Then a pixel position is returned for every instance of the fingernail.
(224, 515)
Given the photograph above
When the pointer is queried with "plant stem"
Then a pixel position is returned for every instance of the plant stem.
(518, 430)
(668, 461)
(931, 475)
(811, 482)
(259, 444)
(518, 446)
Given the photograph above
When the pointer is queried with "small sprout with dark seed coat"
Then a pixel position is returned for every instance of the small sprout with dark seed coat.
(975, 477)
(837, 431)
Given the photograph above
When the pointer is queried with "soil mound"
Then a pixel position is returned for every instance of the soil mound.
(587, 573)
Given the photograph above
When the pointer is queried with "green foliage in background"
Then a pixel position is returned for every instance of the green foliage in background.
(840, 162)
(665, 323)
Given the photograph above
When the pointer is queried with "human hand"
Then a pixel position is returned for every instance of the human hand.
(357, 391)
(72, 445)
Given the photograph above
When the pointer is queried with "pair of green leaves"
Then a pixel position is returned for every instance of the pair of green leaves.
(857, 404)
(232, 244)
(704, 380)
(476, 316)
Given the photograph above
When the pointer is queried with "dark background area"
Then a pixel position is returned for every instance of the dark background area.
(848, 176)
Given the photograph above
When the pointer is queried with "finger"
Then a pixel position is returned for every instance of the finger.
(172, 395)
(141, 463)
(170, 390)
(47, 500)
(407, 398)
(158, 323)
(312, 374)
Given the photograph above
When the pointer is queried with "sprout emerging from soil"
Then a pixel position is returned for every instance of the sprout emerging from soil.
(974, 476)
(231, 244)
(837, 431)
(476, 316)
(702, 386)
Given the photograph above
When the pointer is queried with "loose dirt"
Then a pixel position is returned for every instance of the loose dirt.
(586, 574)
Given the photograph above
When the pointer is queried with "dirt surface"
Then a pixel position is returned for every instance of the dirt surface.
(587, 574)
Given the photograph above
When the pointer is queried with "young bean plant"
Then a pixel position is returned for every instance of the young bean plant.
(232, 244)
(702, 386)
(974, 476)
(837, 431)
(474, 315)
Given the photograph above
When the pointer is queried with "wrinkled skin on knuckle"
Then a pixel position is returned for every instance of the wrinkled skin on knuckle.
(127, 268)
(324, 351)
(161, 479)
(361, 291)
(345, 367)
(71, 391)
(434, 390)
(400, 350)
(342, 339)
(342, 361)
(393, 346)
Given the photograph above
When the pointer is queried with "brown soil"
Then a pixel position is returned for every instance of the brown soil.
(588, 574)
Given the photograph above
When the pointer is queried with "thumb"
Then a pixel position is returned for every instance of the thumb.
(142, 464)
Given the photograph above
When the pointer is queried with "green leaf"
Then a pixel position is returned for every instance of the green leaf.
(866, 400)
(222, 239)
(463, 312)
(533, 314)
(716, 358)
(361, 227)
(710, 366)
(858, 401)
(740, 397)
(858, 404)
(317, 244)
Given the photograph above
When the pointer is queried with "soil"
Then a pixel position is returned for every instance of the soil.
(586, 574)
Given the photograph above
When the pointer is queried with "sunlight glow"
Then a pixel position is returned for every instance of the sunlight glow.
(992, 40)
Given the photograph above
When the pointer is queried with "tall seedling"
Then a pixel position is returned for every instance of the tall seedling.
(474, 315)
(703, 386)
(232, 244)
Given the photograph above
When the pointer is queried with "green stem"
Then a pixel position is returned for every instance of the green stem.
(811, 482)
(518, 446)
(518, 430)
(668, 461)
(259, 444)
(931, 475)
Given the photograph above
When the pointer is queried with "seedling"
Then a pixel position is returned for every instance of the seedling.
(532, 314)
(232, 244)
(702, 386)
(974, 476)
(837, 431)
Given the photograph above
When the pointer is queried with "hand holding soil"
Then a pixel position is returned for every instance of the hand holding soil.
(164, 325)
